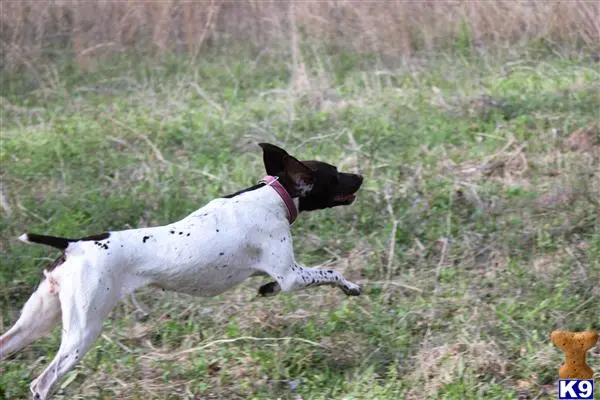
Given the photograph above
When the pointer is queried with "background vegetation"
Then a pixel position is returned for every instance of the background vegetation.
(476, 233)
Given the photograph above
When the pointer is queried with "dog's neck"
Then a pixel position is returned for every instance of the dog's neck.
(278, 197)
(290, 204)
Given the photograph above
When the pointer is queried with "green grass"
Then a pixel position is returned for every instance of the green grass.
(475, 235)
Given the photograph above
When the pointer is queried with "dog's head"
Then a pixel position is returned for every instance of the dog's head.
(316, 184)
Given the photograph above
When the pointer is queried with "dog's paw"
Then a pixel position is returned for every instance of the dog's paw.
(269, 289)
(34, 392)
(351, 289)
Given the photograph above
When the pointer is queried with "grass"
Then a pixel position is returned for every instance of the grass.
(475, 235)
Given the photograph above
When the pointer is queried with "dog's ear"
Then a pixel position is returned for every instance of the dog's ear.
(273, 158)
(299, 174)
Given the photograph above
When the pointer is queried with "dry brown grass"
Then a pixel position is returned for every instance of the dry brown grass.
(386, 28)
(436, 366)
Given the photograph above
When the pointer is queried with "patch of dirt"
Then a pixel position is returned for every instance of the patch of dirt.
(585, 139)
(482, 105)
(437, 366)
(509, 166)
(476, 107)
(557, 197)
(545, 266)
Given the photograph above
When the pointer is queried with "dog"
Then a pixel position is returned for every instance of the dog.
(206, 253)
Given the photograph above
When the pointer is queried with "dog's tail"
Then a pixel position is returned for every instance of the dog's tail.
(58, 242)
(54, 241)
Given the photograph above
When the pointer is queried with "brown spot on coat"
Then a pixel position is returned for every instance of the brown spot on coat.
(59, 261)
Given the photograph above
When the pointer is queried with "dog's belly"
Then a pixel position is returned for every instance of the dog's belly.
(206, 281)
(201, 269)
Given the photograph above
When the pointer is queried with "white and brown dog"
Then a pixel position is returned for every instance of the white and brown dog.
(206, 253)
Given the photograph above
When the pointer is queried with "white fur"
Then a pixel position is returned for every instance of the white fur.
(24, 238)
(204, 254)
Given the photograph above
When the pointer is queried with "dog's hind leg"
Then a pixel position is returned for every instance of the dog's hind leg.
(77, 338)
(39, 315)
(87, 296)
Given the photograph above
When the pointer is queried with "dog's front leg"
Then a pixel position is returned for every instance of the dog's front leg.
(300, 277)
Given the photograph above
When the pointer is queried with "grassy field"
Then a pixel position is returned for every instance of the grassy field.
(475, 235)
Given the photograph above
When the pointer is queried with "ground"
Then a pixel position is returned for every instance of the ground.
(476, 232)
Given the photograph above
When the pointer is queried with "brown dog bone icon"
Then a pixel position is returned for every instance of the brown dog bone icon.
(574, 345)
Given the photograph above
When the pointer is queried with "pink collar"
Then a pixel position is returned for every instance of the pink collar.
(273, 181)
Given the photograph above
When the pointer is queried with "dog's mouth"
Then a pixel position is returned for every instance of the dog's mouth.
(346, 190)
(344, 198)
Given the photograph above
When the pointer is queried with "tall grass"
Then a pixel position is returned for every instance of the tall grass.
(30, 29)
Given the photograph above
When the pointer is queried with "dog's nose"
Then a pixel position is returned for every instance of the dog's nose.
(359, 178)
